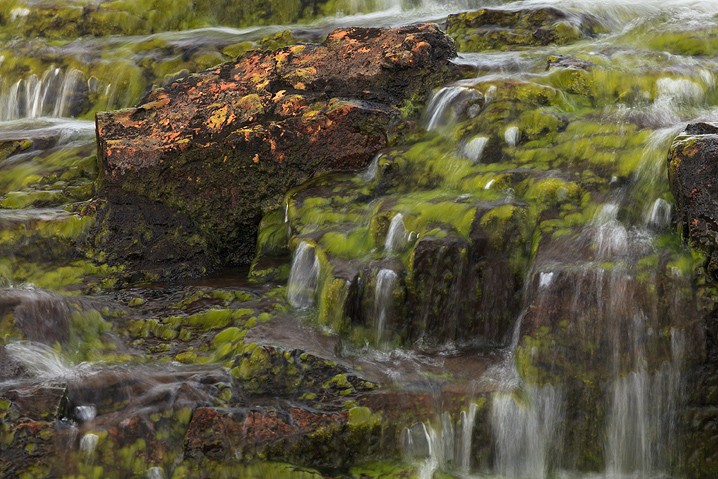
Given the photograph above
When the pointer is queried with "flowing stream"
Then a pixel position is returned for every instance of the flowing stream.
(525, 262)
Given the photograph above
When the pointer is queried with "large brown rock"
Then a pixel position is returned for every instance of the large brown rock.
(189, 173)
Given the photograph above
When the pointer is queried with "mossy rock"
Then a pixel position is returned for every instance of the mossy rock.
(493, 29)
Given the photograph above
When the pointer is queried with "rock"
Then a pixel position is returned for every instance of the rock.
(298, 435)
(189, 173)
(36, 402)
(693, 176)
(493, 29)
(27, 449)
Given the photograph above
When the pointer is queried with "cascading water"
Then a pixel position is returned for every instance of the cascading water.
(526, 429)
(396, 236)
(304, 277)
(51, 95)
(474, 148)
(383, 302)
(512, 135)
(541, 178)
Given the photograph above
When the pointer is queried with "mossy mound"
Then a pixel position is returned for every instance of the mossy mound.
(493, 29)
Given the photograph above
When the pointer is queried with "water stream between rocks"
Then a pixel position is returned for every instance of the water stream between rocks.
(501, 293)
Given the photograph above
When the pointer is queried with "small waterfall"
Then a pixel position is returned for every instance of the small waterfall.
(396, 236)
(525, 430)
(449, 104)
(431, 447)
(41, 361)
(610, 236)
(641, 425)
(468, 419)
(88, 444)
(85, 413)
(439, 105)
(474, 148)
(383, 303)
(371, 171)
(659, 215)
(512, 135)
(55, 94)
(155, 473)
(303, 277)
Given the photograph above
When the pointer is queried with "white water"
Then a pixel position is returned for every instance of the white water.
(525, 429)
(637, 422)
(43, 362)
(371, 171)
(303, 277)
(474, 148)
(468, 420)
(383, 303)
(88, 444)
(47, 96)
(450, 104)
(512, 135)
(440, 445)
(85, 413)
(396, 236)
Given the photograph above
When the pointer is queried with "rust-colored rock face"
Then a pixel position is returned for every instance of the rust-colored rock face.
(189, 173)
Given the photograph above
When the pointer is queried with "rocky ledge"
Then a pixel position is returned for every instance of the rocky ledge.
(188, 174)
(693, 176)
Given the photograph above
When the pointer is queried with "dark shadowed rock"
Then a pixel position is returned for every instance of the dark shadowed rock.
(693, 175)
(190, 172)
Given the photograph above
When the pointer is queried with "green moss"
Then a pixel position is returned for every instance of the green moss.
(355, 244)
(255, 364)
(363, 416)
(332, 299)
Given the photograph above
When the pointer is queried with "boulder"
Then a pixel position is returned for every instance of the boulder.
(693, 176)
(188, 174)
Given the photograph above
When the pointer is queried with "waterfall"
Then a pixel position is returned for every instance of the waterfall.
(607, 306)
(383, 303)
(54, 94)
(88, 444)
(85, 413)
(512, 135)
(526, 429)
(371, 171)
(303, 277)
(441, 445)
(659, 214)
(474, 148)
(155, 473)
(396, 236)
(40, 360)
(468, 419)
(450, 104)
